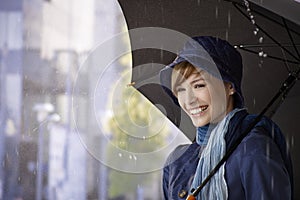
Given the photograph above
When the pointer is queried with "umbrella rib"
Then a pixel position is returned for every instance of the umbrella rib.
(276, 22)
(285, 63)
(265, 45)
(269, 56)
(263, 15)
(267, 34)
(291, 38)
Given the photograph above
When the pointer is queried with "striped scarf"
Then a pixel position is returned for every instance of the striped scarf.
(213, 152)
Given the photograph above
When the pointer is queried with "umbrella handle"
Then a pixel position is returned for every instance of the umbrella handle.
(191, 197)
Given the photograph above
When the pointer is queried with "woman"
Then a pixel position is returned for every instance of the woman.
(205, 80)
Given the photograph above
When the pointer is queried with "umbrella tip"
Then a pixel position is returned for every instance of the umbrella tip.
(130, 84)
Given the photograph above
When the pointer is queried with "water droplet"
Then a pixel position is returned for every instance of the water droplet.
(120, 155)
(253, 21)
(235, 46)
(261, 53)
(226, 34)
(130, 157)
(261, 39)
(254, 101)
(134, 157)
(248, 10)
(229, 18)
(245, 148)
(268, 150)
(260, 64)
(272, 183)
(144, 137)
(265, 55)
(241, 46)
(255, 32)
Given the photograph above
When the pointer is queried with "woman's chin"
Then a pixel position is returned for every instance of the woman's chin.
(200, 123)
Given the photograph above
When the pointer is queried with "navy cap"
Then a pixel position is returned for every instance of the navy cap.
(214, 55)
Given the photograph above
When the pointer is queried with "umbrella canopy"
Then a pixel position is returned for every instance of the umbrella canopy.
(267, 41)
(222, 19)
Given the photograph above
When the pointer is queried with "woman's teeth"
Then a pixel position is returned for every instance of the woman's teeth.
(198, 110)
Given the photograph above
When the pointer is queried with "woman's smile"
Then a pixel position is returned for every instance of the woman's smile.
(198, 111)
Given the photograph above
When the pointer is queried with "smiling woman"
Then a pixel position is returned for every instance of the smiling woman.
(205, 80)
(194, 90)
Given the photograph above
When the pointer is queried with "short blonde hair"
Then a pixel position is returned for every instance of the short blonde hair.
(180, 73)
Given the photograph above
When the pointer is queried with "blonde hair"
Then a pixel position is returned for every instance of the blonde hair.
(180, 73)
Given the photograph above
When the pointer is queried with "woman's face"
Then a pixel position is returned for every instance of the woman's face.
(204, 98)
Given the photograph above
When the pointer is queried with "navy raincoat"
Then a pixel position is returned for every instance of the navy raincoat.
(260, 168)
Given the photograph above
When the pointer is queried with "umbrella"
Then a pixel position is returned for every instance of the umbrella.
(218, 18)
(267, 41)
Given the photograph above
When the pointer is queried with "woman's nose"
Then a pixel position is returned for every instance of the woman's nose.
(190, 98)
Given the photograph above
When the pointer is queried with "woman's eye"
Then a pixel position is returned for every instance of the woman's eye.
(199, 85)
(180, 89)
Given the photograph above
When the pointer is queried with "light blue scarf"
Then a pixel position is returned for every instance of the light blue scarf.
(215, 149)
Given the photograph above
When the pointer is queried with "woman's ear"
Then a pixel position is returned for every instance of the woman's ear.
(231, 89)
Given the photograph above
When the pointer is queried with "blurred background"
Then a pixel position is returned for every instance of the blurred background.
(43, 43)
(70, 126)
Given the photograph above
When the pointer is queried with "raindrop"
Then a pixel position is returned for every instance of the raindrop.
(251, 16)
(256, 31)
(229, 18)
(261, 39)
(120, 155)
(287, 144)
(260, 64)
(162, 11)
(268, 151)
(254, 101)
(130, 157)
(248, 10)
(134, 157)
(226, 34)
(245, 148)
(265, 55)
(235, 46)
(217, 12)
(272, 183)
(144, 137)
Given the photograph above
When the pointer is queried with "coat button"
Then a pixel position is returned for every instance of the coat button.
(182, 193)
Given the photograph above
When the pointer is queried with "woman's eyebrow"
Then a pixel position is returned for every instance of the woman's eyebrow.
(196, 80)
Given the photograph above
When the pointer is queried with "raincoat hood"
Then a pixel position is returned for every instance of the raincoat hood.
(215, 56)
